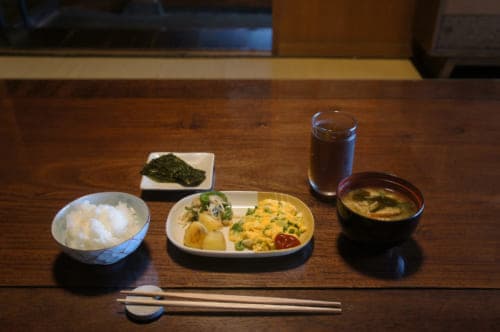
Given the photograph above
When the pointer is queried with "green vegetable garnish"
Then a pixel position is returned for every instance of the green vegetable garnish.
(237, 227)
(170, 168)
(224, 209)
(228, 213)
(250, 211)
(205, 197)
(239, 246)
(361, 195)
(376, 202)
(192, 213)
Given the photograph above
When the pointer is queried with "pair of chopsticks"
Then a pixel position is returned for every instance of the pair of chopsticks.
(240, 302)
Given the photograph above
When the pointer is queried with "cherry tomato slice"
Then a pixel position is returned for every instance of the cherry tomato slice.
(284, 241)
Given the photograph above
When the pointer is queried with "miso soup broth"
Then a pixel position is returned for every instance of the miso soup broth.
(380, 203)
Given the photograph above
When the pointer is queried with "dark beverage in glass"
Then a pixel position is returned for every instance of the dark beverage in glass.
(333, 137)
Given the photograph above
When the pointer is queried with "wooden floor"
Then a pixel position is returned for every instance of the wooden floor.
(81, 43)
(93, 39)
(45, 67)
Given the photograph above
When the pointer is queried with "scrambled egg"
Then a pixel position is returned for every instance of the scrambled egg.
(258, 228)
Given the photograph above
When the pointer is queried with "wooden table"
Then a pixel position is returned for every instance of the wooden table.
(63, 139)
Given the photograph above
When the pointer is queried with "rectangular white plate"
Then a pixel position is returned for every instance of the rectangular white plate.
(240, 201)
(200, 160)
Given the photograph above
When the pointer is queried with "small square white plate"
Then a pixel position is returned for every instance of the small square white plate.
(200, 160)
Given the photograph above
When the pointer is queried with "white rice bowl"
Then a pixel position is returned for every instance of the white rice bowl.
(101, 228)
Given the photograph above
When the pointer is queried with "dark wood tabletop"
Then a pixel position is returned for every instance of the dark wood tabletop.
(60, 140)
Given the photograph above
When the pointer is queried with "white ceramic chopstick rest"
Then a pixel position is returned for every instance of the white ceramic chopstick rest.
(144, 312)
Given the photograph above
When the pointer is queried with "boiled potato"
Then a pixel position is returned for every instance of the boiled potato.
(211, 223)
(214, 241)
(195, 235)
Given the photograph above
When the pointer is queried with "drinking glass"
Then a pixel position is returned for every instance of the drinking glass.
(333, 136)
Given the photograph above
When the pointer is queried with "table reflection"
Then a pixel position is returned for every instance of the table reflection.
(76, 277)
(383, 263)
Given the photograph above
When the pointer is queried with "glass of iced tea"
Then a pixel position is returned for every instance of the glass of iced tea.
(333, 137)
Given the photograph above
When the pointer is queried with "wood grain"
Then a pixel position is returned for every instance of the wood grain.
(408, 310)
(62, 139)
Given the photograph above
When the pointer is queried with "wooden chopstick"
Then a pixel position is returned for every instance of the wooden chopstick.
(237, 298)
(233, 306)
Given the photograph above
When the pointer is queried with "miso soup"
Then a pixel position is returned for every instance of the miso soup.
(380, 203)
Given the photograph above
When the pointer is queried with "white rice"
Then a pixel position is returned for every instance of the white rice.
(91, 227)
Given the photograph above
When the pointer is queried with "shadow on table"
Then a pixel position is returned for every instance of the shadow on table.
(237, 265)
(164, 196)
(393, 263)
(85, 279)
